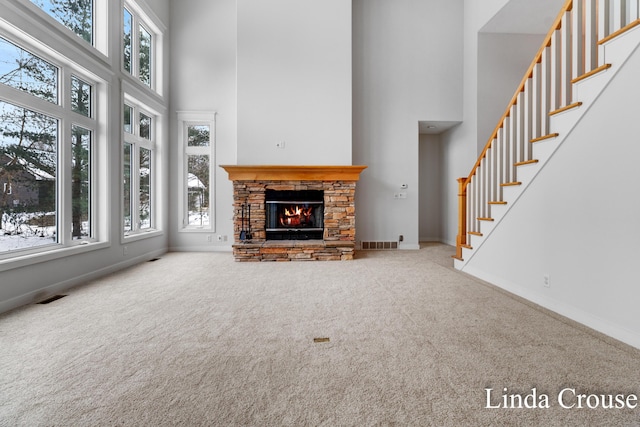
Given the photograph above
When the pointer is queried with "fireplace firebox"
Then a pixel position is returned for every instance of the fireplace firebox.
(294, 215)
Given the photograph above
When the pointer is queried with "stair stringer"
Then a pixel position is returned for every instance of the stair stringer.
(615, 52)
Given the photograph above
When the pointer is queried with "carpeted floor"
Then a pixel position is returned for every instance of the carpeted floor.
(198, 339)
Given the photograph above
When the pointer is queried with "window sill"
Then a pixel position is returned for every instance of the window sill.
(140, 235)
(49, 255)
(197, 230)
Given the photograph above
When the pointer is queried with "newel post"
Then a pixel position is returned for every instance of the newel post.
(461, 239)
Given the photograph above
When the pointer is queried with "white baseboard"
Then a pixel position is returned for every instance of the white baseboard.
(604, 326)
(208, 248)
(34, 296)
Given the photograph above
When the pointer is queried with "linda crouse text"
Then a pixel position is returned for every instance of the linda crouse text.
(568, 398)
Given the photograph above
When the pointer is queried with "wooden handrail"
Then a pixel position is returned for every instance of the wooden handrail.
(620, 31)
(568, 6)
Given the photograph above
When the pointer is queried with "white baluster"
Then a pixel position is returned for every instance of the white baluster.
(520, 111)
(500, 158)
(476, 213)
(470, 206)
(555, 72)
(565, 61)
(618, 15)
(591, 36)
(514, 141)
(545, 94)
(486, 184)
(604, 18)
(493, 171)
(482, 200)
(536, 106)
(503, 138)
(529, 119)
(577, 15)
(633, 11)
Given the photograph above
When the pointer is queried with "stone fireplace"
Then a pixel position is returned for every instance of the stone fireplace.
(293, 213)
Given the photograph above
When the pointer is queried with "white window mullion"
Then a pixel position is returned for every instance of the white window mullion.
(65, 160)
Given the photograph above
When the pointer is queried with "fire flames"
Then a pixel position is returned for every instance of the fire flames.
(294, 216)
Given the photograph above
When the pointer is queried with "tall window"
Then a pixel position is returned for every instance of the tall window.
(197, 176)
(138, 170)
(137, 42)
(77, 15)
(42, 130)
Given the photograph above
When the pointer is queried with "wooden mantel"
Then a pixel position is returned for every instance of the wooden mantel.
(292, 173)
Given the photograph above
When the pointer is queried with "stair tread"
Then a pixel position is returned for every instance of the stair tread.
(509, 184)
(565, 108)
(527, 162)
(545, 137)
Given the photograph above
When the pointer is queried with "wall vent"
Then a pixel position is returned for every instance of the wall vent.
(51, 299)
(379, 245)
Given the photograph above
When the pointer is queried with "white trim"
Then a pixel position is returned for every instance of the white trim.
(61, 111)
(196, 118)
(601, 325)
(143, 15)
(29, 258)
(26, 22)
(30, 297)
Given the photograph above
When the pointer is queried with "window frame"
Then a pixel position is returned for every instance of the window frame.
(138, 142)
(67, 118)
(151, 24)
(100, 30)
(186, 119)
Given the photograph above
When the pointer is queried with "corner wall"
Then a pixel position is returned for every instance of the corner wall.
(407, 67)
(203, 79)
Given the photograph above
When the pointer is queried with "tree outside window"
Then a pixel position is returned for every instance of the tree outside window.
(138, 164)
(197, 157)
(77, 15)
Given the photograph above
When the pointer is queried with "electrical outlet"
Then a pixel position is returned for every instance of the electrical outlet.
(220, 238)
(209, 238)
(546, 281)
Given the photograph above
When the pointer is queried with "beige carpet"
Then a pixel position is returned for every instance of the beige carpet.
(198, 339)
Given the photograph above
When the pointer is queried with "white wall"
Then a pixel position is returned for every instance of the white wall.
(203, 79)
(294, 82)
(503, 60)
(33, 282)
(430, 193)
(576, 222)
(407, 59)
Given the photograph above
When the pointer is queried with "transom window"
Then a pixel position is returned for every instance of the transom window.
(27, 72)
(76, 15)
(138, 42)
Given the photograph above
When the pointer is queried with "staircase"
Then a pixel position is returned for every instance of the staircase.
(588, 43)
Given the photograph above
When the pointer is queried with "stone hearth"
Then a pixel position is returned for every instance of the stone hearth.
(338, 184)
